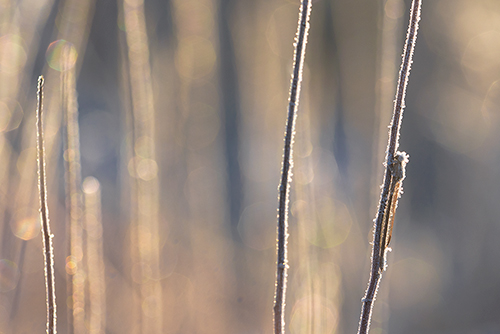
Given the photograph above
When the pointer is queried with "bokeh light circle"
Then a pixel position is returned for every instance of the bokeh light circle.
(195, 57)
(9, 274)
(26, 224)
(331, 225)
(71, 265)
(61, 55)
(12, 53)
(313, 311)
(11, 114)
(147, 169)
(5, 115)
(90, 185)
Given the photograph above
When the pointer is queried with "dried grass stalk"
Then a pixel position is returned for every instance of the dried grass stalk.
(393, 178)
(47, 236)
(286, 172)
(74, 201)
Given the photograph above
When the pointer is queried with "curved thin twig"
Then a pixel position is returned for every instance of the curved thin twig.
(286, 172)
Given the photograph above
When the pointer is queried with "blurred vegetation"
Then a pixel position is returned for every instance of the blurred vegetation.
(216, 76)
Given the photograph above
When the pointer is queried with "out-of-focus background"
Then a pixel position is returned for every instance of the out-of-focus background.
(181, 114)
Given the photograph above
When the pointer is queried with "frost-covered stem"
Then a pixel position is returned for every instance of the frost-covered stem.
(48, 250)
(395, 161)
(286, 173)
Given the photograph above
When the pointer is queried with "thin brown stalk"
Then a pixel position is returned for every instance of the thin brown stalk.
(48, 250)
(393, 178)
(286, 172)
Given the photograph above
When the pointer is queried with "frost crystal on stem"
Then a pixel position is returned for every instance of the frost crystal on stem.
(393, 178)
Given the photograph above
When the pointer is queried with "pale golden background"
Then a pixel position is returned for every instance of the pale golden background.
(216, 73)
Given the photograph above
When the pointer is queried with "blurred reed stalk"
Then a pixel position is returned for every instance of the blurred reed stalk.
(74, 202)
(393, 178)
(144, 169)
(44, 218)
(94, 255)
(286, 172)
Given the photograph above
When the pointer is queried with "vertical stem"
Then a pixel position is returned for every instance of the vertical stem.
(146, 197)
(94, 254)
(394, 173)
(286, 173)
(404, 74)
(74, 201)
(44, 218)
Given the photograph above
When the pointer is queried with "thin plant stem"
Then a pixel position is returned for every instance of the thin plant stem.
(47, 236)
(286, 172)
(94, 254)
(74, 201)
(393, 178)
(145, 199)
